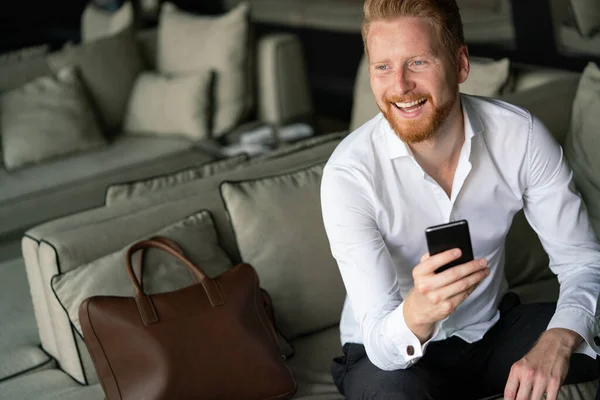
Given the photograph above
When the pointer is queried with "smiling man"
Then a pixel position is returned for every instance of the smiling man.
(431, 156)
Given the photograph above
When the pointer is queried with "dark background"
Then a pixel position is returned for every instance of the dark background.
(331, 58)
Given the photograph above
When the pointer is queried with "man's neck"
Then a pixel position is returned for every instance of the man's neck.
(439, 156)
(443, 150)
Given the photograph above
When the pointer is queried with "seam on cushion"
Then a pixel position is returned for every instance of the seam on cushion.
(67, 314)
(26, 371)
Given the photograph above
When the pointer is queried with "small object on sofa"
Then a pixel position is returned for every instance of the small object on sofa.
(46, 118)
(170, 105)
(212, 339)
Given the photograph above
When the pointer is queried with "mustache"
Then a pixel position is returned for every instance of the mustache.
(407, 98)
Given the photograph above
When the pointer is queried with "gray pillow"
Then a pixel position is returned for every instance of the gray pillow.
(170, 105)
(16, 69)
(109, 67)
(487, 77)
(46, 118)
(279, 230)
(188, 43)
(587, 16)
(125, 191)
(583, 141)
(162, 272)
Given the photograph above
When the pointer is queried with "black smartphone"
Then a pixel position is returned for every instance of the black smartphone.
(450, 236)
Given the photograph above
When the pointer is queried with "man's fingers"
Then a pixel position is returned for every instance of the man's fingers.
(425, 257)
(512, 386)
(432, 263)
(466, 284)
(457, 273)
(525, 386)
(538, 391)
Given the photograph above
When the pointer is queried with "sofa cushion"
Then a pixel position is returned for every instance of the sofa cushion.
(583, 140)
(19, 341)
(162, 272)
(97, 23)
(19, 68)
(279, 230)
(109, 67)
(125, 191)
(49, 385)
(24, 54)
(170, 105)
(312, 363)
(286, 149)
(46, 118)
(487, 77)
(223, 47)
(587, 16)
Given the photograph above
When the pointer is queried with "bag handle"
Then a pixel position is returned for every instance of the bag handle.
(174, 245)
(145, 306)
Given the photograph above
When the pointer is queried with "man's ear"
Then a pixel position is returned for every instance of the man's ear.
(462, 63)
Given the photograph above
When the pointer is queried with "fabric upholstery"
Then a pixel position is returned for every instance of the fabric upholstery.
(125, 191)
(283, 150)
(97, 23)
(223, 48)
(587, 16)
(49, 385)
(19, 70)
(279, 230)
(487, 77)
(147, 40)
(107, 276)
(110, 92)
(312, 362)
(46, 118)
(583, 140)
(77, 239)
(170, 105)
(24, 54)
(283, 85)
(19, 340)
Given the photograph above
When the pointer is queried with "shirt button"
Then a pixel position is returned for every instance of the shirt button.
(597, 340)
(411, 350)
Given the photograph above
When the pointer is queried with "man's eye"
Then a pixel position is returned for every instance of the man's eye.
(419, 63)
(381, 67)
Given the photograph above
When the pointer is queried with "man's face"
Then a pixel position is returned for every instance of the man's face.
(412, 76)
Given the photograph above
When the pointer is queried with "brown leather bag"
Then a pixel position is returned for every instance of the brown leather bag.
(210, 340)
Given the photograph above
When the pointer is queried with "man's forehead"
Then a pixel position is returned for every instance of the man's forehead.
(402, 36)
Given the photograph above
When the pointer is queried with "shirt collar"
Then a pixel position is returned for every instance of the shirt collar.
(473, 125)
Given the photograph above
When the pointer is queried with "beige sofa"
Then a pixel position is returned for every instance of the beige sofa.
(265, 211)
(75, 182)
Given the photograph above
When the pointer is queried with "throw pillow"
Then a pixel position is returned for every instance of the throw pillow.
(97, 23)
(109, 67)
(48, 117)
(162, 272)
(24, 54)
(279, 230)
(169, 106)
(587, 16)
(16, 69)
(188, 43)
(125, 191)
(487, 77)
(583, 140)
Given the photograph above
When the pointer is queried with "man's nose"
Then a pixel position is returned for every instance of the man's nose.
(404, 82)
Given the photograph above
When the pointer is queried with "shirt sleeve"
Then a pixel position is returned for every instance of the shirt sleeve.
(367, 269)
(557, 213)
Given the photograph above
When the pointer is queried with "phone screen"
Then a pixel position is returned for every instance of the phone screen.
(450, 236)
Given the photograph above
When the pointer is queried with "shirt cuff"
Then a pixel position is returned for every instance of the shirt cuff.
(408, 345)
(584, 324)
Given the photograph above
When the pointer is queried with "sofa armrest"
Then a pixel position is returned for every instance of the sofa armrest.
(283, 92)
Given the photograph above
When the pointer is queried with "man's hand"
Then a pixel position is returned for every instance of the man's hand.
(435, 296)
(544, 368)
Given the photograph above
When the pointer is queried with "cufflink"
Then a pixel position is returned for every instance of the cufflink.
(597, 340)
(411, 350)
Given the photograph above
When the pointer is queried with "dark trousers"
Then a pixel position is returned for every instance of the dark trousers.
(455, 369)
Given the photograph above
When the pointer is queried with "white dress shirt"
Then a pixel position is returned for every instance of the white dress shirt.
(377, 202)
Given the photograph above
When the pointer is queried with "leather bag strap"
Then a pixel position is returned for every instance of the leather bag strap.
(144, 303)
(166, 241)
